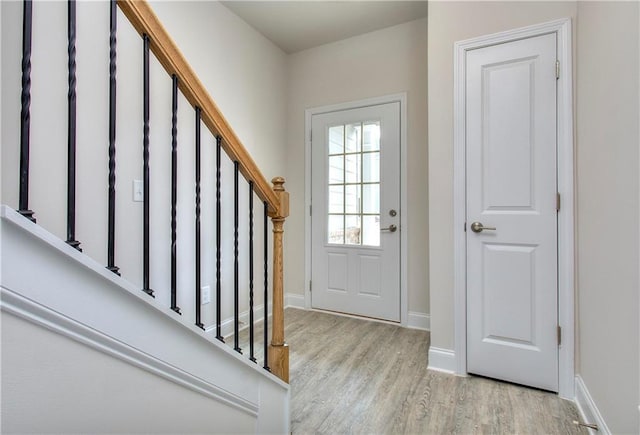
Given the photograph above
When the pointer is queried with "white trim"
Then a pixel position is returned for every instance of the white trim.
(587, 408)
(565, 186)
(566, 222)
(295, 301)
(420, 321)
(442, 360)
(18, 305)
(226, 326)
(404, 212)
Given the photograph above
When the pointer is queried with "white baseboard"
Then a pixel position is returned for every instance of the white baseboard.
(420, 321)
(295, 301)
(442, 360)
(415, 320)
(226, 326)
(587, 408)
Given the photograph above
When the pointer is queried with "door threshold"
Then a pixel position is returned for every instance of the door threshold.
(355, 316)
(503, 381)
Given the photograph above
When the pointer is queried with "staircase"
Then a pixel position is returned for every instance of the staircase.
(123, 315)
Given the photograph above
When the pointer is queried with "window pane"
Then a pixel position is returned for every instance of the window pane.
(352, 232)
(336, 229)
(352, 170)
(336, 199)
(371, 230)
(354, 138)
(371, 136)
(336, 139)
(352, 199)
(371, 167)
(354, 159)
(336, 169)
(371, 198)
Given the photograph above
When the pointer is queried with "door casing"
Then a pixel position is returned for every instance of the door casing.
(402, 99)
(565, 169)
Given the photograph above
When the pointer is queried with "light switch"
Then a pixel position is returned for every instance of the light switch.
(138, 194)
(206, 295)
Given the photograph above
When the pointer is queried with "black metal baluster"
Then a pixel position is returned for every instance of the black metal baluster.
(266, 287)
(71, 126)
(174, 194)
(236, 268)
(112, 140)
(145, 167)
(25, 113)
(199, 323)
(251, 357)
(218, 241)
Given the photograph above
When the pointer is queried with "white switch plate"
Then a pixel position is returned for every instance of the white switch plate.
(206, 295)
(138, 195)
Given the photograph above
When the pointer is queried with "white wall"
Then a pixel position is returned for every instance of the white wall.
(55, 385)
(606, 92)
(384, 62)
(244, 73)
(607, 173)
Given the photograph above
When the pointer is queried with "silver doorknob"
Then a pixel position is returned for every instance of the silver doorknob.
(391, 228)
(477, 227)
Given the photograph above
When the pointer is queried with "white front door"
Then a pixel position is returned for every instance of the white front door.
(355, 222)
(511, 191)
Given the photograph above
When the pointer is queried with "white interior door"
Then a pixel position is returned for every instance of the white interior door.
(355, 223)
(511, 191)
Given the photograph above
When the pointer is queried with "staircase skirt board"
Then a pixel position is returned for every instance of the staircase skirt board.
(77, 297)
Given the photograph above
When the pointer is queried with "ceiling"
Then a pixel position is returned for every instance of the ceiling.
(298, 25)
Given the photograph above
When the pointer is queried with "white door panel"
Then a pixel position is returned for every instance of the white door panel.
(355, 184)
(511, 186)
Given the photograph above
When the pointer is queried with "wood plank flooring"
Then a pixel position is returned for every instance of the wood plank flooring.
(357, 376)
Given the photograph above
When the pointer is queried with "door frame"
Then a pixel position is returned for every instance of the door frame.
(375, 101)
(565, 173)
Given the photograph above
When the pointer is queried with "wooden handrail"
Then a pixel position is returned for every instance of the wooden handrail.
(145, 21)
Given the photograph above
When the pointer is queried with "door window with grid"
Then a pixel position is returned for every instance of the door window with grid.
(354, 184)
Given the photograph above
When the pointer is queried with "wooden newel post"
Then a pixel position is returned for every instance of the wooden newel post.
(279, 350)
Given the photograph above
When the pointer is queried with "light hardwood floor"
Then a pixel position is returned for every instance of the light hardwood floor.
(357, 376)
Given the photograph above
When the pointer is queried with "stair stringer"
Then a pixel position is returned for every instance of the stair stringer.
(49, 283)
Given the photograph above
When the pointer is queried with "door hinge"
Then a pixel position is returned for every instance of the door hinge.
(310, 209)
(310, 286)
(557, 201)
(310, 135)
(559, 335)
(557, 69)
(465, 227)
